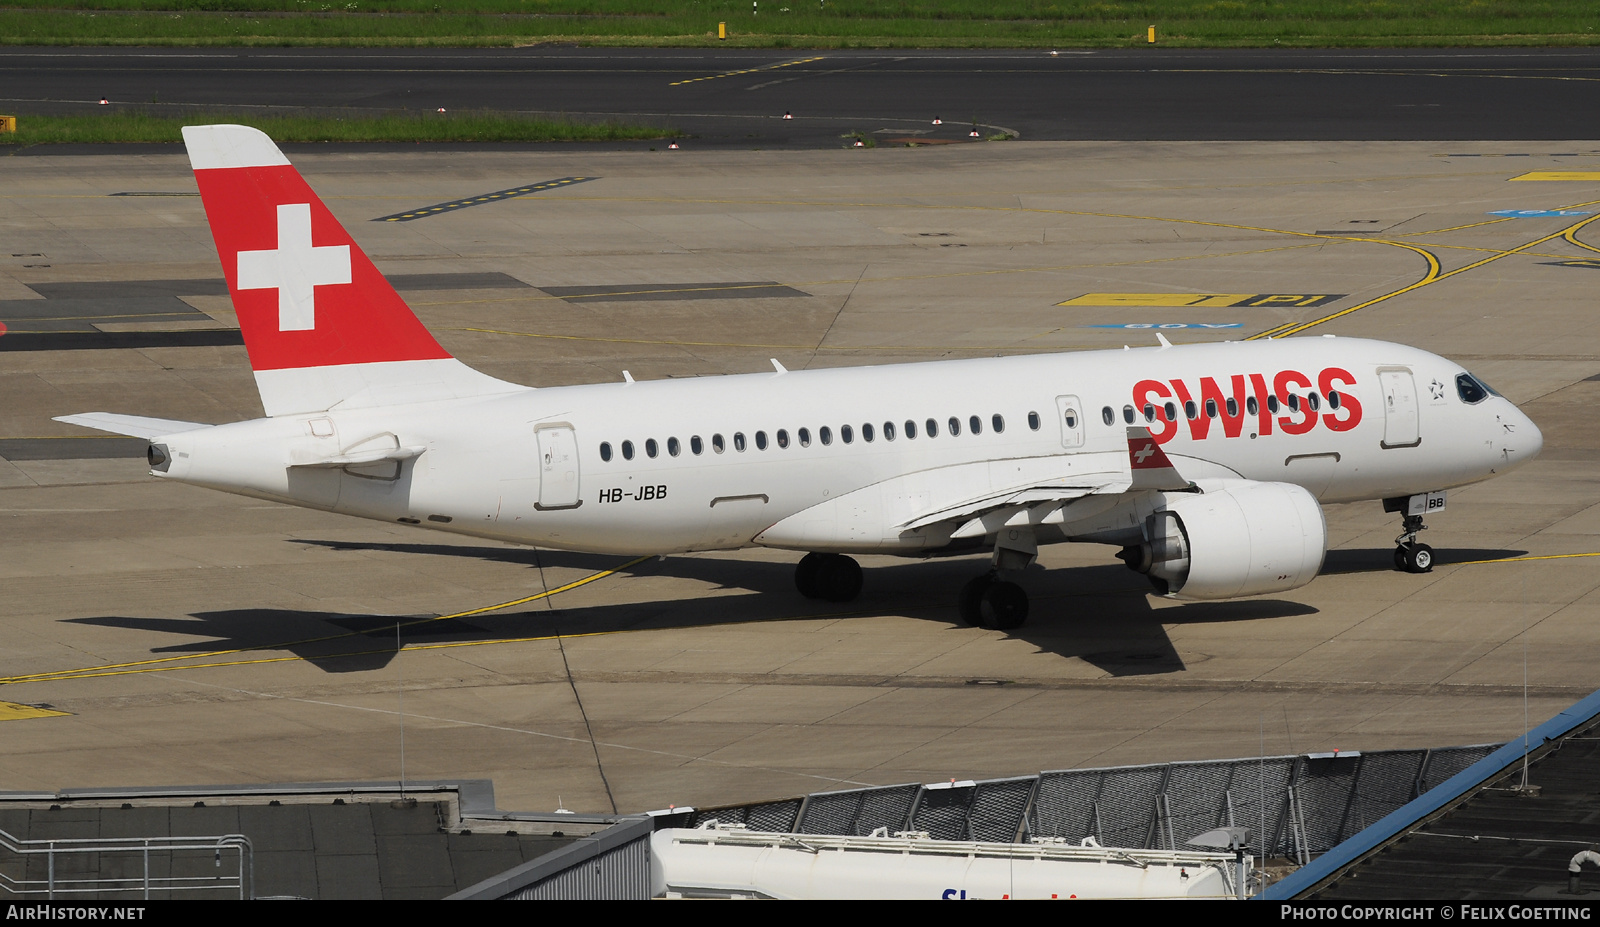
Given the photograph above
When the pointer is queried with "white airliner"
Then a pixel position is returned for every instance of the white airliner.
(1205, 464)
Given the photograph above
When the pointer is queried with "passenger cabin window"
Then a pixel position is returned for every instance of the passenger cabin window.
(1252, 406)
(1272, 404)
(1172, 411)
(1033, 421)
(866, 432)
(1190, 411)
(888, 431)
(1333, 399)
(650, 447)
(1313, 401)
(911, 430)
(955, 426)
(783, 437)
(738, 441)
(1128, 414)
(627, 450)
(716, 444)
(761, 440)
(1108, 416)
(930, 428)
(673, 447)
(975, 425)
(846, 434)
(998, 423)
(1211, 408)
(605, 450)
(1149, 412)
(805, 437)
(696, 445)
(1294, 402)
(1233, 407)
(825, 435)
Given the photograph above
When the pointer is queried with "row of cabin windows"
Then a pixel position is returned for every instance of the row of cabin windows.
(1169, 410)
(825, 436)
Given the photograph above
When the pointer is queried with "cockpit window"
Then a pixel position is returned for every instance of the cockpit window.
(1470, 390)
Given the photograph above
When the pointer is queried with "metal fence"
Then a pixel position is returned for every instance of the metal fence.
(1298, 806)
(146, 866)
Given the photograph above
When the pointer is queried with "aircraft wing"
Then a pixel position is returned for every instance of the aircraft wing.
(1027, 505)
(134, 426)
(1044, 503)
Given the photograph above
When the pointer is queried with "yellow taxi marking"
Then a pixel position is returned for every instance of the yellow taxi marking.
(770, 67)
(11, 711)
(1559, 175)
(1433, 276)
(148, 666)
(1202, 300)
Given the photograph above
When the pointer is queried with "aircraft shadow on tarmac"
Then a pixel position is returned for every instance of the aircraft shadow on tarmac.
(1100, 614)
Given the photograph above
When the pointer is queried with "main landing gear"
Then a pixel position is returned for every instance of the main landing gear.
(1411, 555)
(993, 603)
(834, 577)
(987, 601)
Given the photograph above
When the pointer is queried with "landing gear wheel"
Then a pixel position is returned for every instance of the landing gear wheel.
(805, 575)
(1415, 558)
(838, 578)
(1003, 606)
(969, 603)
(1400, 559)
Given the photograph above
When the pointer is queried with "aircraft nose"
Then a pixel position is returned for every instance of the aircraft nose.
(1523, 441)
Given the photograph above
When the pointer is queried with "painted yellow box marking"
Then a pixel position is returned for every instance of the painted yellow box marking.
(11, 711)
(1559, 175)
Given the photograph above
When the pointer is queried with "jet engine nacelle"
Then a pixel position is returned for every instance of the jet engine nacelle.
(1241, 539)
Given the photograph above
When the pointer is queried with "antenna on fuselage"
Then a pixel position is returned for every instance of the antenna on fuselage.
(627, 377)
(777, 366)
(1163, 339)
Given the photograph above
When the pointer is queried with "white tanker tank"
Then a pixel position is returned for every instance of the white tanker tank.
(728, 861)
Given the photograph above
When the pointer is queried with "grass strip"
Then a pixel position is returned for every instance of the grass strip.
(803, 23)
(115, 126)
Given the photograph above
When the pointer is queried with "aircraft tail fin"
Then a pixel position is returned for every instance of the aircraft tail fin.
(321, 324)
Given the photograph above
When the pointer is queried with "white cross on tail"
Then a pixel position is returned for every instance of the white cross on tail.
(296, 269)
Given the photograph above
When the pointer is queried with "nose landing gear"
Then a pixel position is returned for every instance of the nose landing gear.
(1410, 555)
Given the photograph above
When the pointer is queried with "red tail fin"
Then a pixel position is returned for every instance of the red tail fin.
(306, 295)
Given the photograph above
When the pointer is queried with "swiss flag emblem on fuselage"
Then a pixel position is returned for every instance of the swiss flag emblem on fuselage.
(305, 293)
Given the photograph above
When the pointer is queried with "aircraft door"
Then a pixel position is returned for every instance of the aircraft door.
(558, 467)
(1400, 420)
(1069, 415)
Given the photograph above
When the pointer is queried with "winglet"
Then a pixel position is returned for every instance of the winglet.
(1151, 468)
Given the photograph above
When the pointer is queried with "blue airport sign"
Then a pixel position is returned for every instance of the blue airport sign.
(1538, 213)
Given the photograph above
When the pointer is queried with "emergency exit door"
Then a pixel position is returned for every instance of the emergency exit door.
(558, 467)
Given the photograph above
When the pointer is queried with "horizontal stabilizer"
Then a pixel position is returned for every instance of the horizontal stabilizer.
(134, 426)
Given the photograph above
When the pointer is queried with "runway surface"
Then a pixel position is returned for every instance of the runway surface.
(738, 98)
(161, 634)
